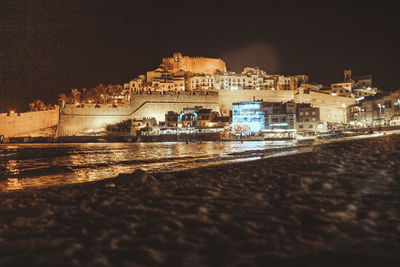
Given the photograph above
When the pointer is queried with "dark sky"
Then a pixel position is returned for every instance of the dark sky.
(48, 47)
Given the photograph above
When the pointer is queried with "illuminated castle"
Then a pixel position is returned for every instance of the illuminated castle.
(193, 64)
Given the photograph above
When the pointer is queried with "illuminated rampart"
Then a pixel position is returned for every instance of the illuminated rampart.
(28, 123)
(84, 120)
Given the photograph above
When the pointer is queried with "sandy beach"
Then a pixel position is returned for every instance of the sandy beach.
(338, 205)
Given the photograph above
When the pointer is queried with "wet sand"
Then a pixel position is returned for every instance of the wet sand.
(338, 205)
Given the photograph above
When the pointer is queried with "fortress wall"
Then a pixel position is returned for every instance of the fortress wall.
(204, 65)
(330, 107)
(197, 64)
(86, 124)
(138, 99)
(25, 124)
(227, 97)
(86, 120)
(75, 121)
(90, 109)
(158, 110)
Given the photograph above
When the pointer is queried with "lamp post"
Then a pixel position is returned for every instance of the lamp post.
(344, 114)
(379, 105)
(380, 113)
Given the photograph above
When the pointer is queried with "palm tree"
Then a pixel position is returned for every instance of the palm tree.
(75, 94)
(31, 106)
(62, 97)
(84, 98)
(40, 105)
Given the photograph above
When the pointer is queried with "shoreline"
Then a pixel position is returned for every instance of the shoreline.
(171, 137)
(339, 202)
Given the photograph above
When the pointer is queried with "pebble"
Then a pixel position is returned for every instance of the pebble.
(326, 201)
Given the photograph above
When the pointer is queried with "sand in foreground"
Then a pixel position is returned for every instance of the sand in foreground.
(337, 205)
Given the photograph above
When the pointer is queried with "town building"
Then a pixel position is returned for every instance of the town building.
(270, 119)
(356, 86)
(372, 111)
(276, 119)
(248, 117)
(395, 108)
(308, 120)
(171, 119)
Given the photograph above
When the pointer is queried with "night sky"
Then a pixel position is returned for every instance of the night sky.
(53, 46)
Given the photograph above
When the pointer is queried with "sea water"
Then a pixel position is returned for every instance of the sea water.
(39, 165)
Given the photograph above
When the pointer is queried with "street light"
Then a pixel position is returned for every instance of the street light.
(380, 114)
(344, 113)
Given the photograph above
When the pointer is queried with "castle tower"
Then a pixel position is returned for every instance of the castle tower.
(347, 75)
(178, 64)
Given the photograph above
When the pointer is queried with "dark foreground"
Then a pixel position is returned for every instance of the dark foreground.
(338, 205)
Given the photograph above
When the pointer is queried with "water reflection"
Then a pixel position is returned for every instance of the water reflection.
(14, 184)
(12, 167)
(37, 165)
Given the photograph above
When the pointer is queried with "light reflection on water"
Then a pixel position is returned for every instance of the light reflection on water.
(38, 165)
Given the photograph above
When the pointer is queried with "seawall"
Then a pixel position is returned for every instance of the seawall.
(89, 119)
(332, 108)
(27, 124)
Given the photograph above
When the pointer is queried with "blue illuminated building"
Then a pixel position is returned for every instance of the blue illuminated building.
(263, 117)
(248, 117)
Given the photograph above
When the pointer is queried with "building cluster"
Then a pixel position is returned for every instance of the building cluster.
(357, 86)
(175, 76)
(293, 106)
(251, 118)
(265, 118)
(190, 120)
(276, 119)
(372, 111)
(168, 77)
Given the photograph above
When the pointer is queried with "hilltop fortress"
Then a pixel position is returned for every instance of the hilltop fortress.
(193, 64)
(180, 82)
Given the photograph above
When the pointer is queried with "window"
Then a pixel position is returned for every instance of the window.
(300, 126)
(314, 119)
(310, 126)
(313, 113)
(301, 113)
(306, 113)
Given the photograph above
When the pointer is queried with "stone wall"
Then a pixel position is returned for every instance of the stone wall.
(90, 119)
(331, 108)
(227, 97)
(195, 64)
(27, 124)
